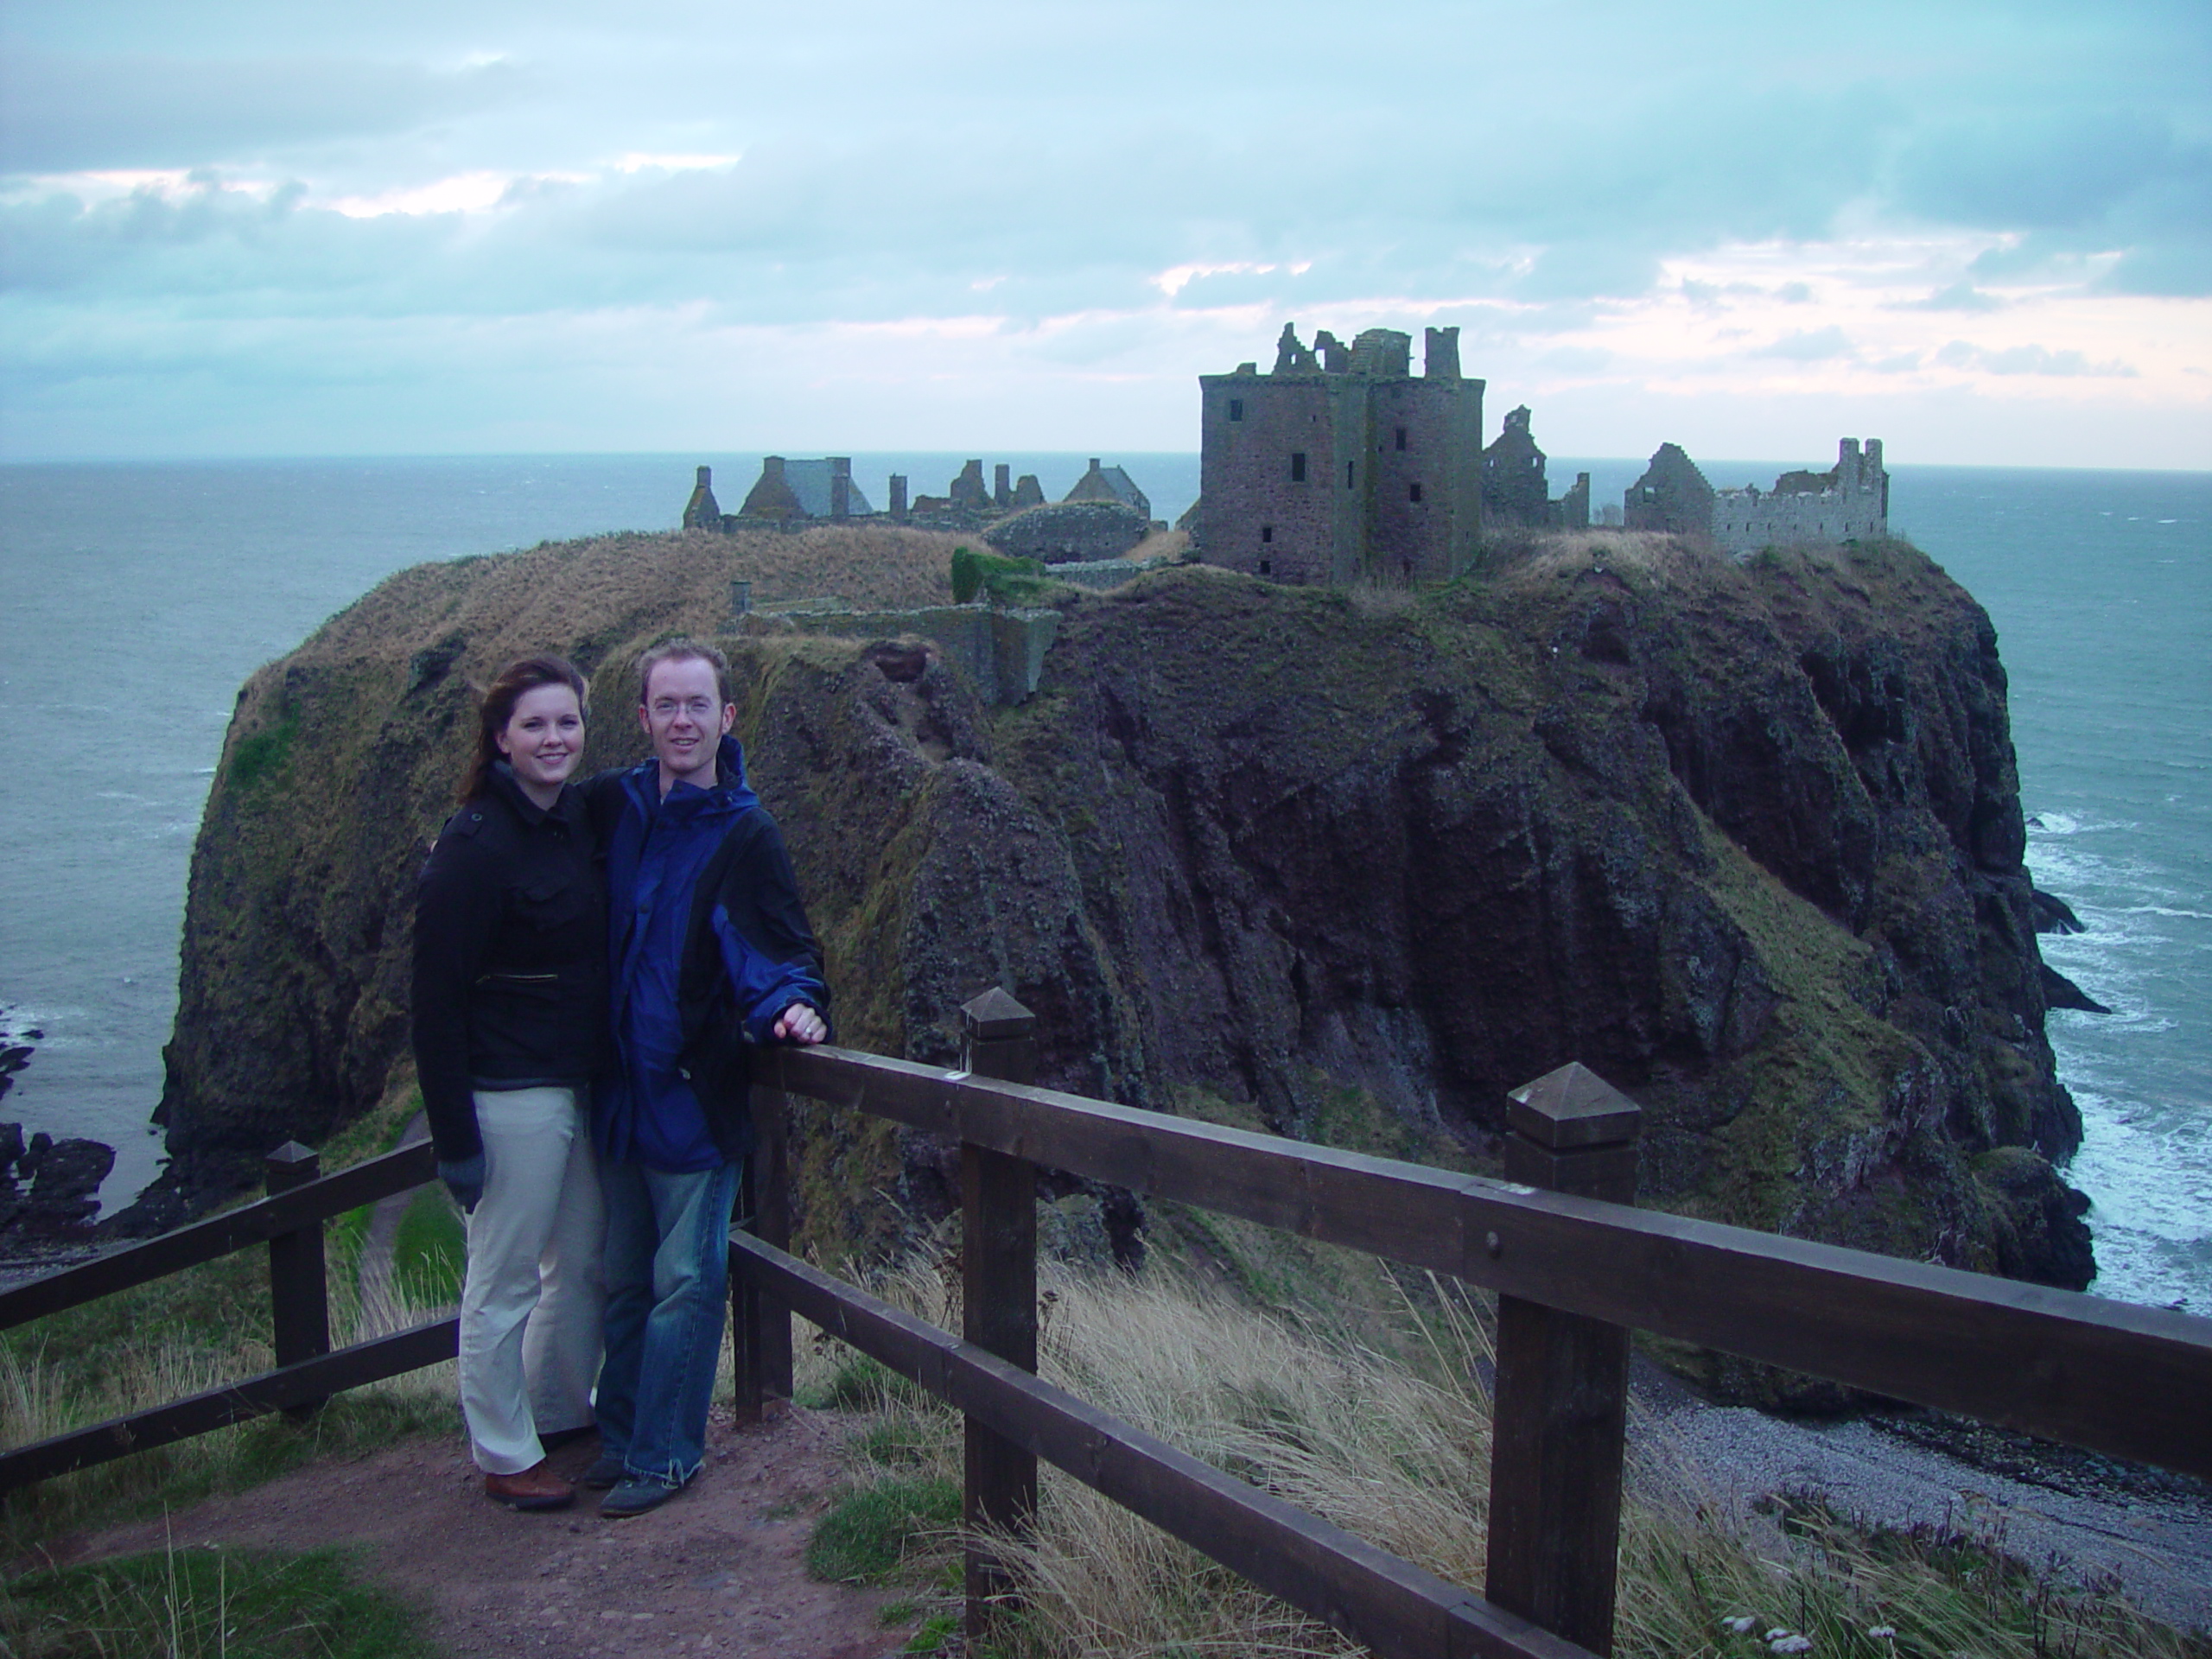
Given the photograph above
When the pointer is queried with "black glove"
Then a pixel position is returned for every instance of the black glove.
(464, 1179)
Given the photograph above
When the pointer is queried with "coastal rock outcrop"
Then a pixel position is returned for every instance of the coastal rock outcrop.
(1744, 839)
(49, 1191)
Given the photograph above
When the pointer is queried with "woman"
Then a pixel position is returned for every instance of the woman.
(509, 1008)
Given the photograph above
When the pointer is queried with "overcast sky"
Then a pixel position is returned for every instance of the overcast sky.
(1980, 231)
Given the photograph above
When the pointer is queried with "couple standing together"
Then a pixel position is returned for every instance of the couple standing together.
(593, 962)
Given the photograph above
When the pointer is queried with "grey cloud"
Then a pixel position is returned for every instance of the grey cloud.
(70, 113)
(2022, 172)
(866, 191)
(2025, 359)
(1808, 345)
(1958, 296)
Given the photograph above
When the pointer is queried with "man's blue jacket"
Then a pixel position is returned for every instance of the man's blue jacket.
(707, 943)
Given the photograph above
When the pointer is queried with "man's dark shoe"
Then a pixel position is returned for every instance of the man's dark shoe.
(535, 1488)
(635, 1498)
(605, 1471)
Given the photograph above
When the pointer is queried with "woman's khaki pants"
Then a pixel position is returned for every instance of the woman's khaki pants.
(537, 1285)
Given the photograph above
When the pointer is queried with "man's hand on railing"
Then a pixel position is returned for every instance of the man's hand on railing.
(800, 1023)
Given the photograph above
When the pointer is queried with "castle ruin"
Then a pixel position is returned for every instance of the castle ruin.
(1109, 484)
(1515, 489)
(1850, 500)
(1340, 465)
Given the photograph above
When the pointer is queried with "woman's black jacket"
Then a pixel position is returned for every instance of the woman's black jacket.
(509, 956)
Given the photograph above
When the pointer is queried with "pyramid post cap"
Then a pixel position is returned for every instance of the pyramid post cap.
(994, 1014)
(293, 1152)
(1573, 1107)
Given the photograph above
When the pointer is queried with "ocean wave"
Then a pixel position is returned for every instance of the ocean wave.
(2051, 822)
(2147, 1175)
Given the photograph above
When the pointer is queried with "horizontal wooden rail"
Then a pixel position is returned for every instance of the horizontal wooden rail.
(2123, 1380)
(309, 1381)
(203, 1241)
(1398, 1610)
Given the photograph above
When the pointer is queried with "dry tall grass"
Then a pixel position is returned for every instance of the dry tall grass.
(178, 1337)
(1396, 1449)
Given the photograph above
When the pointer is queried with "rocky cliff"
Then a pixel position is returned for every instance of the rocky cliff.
(1744, 839)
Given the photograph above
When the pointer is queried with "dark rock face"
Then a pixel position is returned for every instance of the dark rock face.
(49, 1190)
(1070, 533)
(1745, 840)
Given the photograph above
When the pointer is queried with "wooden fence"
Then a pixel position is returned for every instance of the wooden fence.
(1575, 1265)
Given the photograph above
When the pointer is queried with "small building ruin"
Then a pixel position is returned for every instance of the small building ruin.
(787, 493)
(1109, 484)
(1849, 501)
(1515, 490)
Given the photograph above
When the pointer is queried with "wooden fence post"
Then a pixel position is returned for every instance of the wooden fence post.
(998, 1299)
(299, 1296)
(760, 1326)
(1561, 1406)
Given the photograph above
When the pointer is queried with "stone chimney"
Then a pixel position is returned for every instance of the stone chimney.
(1441, 354)
(840, 487)
(1002, 485)
(702, 511)
(899, 496)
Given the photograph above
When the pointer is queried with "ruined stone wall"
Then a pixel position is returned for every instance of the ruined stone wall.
(1514, 489)
(1000, 649)
(1672, 496)
(1571, 511)
(1850, 503)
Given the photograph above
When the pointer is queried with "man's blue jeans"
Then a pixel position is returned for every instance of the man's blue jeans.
(667, 1280)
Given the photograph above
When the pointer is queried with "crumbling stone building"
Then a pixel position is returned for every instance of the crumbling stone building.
(1109, 484)
(1340, 464)
(1848, 501)
(1515, 490)
(804, 489)
(967, 502)
(1671, 496)
(702, 511)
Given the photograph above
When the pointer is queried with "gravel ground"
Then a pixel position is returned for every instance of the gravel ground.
(2151, 1531)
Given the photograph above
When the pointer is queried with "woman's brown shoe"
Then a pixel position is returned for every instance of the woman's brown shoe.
(535, 1488)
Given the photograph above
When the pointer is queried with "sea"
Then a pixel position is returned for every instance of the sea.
(135, 599)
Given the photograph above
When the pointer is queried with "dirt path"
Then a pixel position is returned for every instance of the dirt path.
(719, 1570)
(384, 1227)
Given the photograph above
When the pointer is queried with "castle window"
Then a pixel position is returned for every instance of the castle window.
(1298, 466)
(1348, 472)
(1402, 437)
(1267, 533)
(1266, 567)
(1236, 408)
(1413, 492)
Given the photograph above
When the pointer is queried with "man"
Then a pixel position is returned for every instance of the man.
(710, 954)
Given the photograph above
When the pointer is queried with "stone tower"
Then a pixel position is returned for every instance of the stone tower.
(1341, 464)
